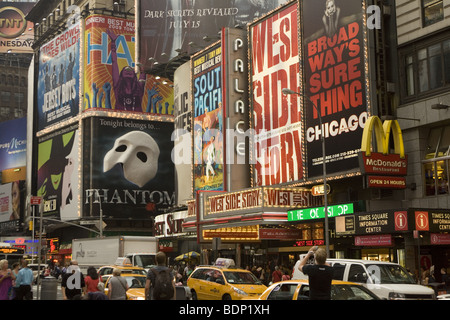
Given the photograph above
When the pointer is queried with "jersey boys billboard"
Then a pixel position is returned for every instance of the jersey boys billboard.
(111, 80)
(334, 51)
(59, 78)
(274, 62)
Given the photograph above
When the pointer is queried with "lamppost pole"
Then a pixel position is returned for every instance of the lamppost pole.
(324, 168)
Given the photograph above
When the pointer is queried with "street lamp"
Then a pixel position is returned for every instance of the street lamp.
(324, 168)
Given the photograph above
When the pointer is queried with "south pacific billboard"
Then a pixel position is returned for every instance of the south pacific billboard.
(168, 27)
(277, 118)
(128, 171)
(58, 173)
(59, 78)
(208, 119)
(334, 51)
(111, 79)
(16, 33)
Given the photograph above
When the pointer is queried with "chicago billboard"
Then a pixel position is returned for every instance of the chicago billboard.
(334, 55)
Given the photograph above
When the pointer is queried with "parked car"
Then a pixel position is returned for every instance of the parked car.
(299, 290)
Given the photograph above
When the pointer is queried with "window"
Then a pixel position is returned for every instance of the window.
(283, 292)
(437, 162)
(432, 12)
(4, 111)
(357, 273)
(18, 113)
(426, 69)
(6, 96)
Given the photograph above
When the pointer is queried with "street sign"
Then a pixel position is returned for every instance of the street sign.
(319, 212)
(318, 190)
(35, 200)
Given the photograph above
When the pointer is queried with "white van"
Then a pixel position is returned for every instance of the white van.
(386, 279)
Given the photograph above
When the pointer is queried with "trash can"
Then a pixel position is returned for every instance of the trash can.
(49, 287)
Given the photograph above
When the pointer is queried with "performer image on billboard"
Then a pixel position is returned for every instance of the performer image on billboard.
(210, 158)
(330, 18)
(15, 199)
(128, 89)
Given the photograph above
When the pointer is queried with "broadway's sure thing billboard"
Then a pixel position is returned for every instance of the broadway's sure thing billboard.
(274, 62)
(168, 27)
(58, 173)
(128, 171)
(59, 78)
(334, 81)
(208, 119)
(111, 79)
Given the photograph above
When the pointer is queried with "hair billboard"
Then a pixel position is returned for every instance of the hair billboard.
(59, 78)
(112, 82)
(334, 50)
(274, 63)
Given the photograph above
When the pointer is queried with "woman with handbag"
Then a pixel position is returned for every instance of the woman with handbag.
(117, 287)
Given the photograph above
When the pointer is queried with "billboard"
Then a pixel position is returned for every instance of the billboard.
(182, 153)
(208, 119)
(16, 33)
(59, 78)
(58, 173)
(334, 55)
(128, 171)
(111, 81)
(168, 27)
(13, 143)
(274, 63)
(11, 205)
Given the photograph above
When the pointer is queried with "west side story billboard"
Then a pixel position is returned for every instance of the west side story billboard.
(59, 78)
(128, 171)
(274, 65)
(334, 51)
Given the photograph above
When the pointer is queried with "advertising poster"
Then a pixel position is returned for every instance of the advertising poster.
(128, 171)
(182, 153)
(58, 173)
(274, 62)
(16, 33)
(59, 78)
(335, 81)
(13, 143)
(112, 80)
(168, 27)
(208, 119)
(11, 205)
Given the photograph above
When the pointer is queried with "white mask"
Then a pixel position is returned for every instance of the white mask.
(138, 153)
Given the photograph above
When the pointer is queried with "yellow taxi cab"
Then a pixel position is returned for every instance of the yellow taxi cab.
(299, 290)
(135, 282)
(124, 264)
(223, 281)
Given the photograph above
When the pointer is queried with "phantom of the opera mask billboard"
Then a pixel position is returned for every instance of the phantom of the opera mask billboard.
(58, 173)
(128, 170)
(274, 63)
(334, 59)
(59, 78)
(111, 79)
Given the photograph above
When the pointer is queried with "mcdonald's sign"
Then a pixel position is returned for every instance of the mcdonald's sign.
(375, 158)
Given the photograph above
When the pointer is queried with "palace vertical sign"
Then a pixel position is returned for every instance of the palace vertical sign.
(274, 62)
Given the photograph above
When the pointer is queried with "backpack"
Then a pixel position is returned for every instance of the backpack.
(162, 288)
